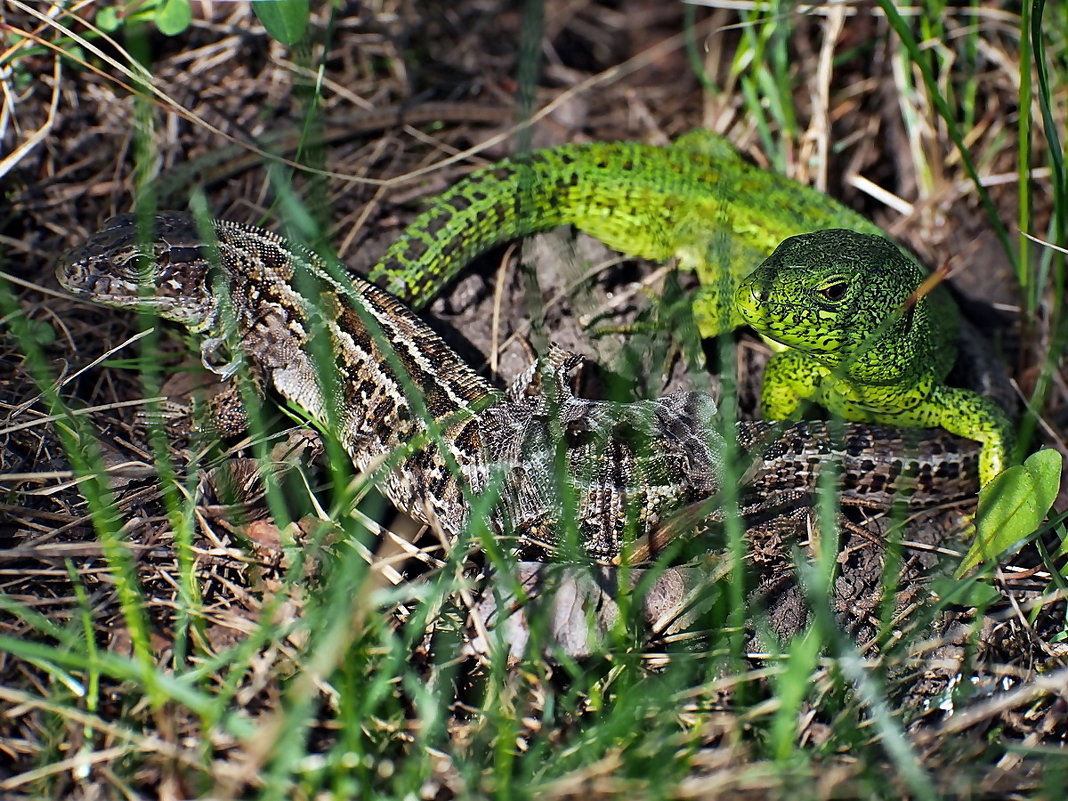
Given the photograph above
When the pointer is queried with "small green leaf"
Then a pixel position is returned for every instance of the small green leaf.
(107, 19)
(1012, 506)
(969, 592)
(173, 17)
(72, 51)
(285, 20)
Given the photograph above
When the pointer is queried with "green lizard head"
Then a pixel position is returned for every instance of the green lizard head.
(840, 296)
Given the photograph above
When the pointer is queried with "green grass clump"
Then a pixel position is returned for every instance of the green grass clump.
(231, 643)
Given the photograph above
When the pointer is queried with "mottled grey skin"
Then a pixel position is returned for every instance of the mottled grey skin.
(393, 392)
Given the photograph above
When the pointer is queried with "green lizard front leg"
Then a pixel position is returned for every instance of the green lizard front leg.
(791, 378)
(974, 416)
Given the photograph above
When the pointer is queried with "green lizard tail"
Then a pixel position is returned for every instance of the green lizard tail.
(696, 200)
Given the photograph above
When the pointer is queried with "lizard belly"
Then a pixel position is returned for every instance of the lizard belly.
(889, 405)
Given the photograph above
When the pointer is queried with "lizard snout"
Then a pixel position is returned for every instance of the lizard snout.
(751, 299)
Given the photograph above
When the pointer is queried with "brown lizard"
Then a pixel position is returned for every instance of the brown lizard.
(391, 390)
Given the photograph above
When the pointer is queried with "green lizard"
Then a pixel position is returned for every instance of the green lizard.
(833, 304)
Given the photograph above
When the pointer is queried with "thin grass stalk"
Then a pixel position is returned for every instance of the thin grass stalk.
(1059, 223)
(1058, 321)
(1024, 219)
(179, 503)
(901, 28)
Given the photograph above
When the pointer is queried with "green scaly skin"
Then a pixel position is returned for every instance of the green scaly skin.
(831, 303)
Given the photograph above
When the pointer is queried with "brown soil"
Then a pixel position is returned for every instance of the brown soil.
(609, 71)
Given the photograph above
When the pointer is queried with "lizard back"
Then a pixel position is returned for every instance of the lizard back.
(697, 199)
(363, 366)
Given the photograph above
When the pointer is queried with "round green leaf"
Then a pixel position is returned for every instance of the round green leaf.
(107, 19)
(285, 20)
(173, 17)
(1012, 506)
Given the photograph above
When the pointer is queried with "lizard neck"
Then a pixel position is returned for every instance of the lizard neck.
(360, 364)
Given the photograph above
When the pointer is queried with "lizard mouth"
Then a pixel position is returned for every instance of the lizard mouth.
(84, 278)
(788, 325)
(752, 304)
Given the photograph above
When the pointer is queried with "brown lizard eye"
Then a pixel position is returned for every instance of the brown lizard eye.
(834, 292)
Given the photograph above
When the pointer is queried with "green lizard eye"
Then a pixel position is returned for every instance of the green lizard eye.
(834, 291)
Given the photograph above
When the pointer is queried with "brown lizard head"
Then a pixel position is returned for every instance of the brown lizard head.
(159, 264)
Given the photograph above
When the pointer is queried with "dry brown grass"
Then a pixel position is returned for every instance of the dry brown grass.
(865, 129)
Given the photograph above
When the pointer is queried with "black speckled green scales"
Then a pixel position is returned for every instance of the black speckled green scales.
(832, 303)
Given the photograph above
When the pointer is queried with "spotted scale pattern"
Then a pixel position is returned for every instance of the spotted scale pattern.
(361, 365)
